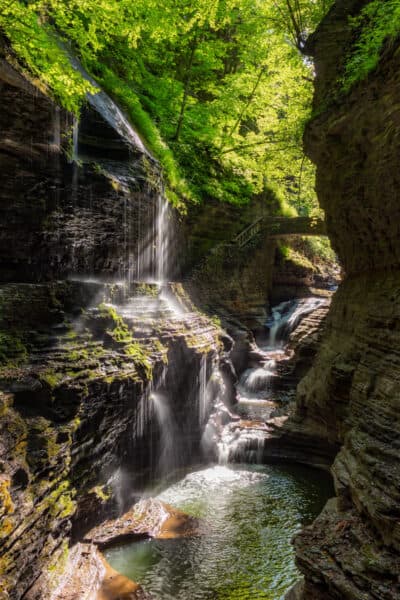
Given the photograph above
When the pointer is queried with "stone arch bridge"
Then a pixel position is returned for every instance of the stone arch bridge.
(274, 227)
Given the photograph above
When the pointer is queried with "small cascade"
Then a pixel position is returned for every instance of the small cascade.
(153, 260)
(243, 437)
(176, 306)
(203, 396)
(75, 140)
(286, 317)
(259, 379)
(161, 258)
(170, 457)
(74, 157)
(241, 446)
(143, 415)
(119, 482)
(56, 129)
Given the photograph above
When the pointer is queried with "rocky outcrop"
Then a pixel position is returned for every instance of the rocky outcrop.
(351, 395)
(79, 198)
(305, 340)
(80, 430)
(88, 576)
(148, 518)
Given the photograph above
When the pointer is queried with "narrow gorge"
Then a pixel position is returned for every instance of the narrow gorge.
(198, 395)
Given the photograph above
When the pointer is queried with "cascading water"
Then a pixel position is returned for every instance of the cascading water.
(170, 457)
(257, 394)
(147, 259)
(56, 129)
(160, 429)
(153, 255)
(203, 392)
(285, 318)
(162, 249)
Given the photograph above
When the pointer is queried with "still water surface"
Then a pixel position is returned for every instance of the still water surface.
(249, 515)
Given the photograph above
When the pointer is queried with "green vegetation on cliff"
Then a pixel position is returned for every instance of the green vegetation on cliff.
(218, 89)
(377, 23)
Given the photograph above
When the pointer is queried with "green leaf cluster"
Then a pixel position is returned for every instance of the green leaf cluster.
(378, 22)
(218, 88)
(37, 47)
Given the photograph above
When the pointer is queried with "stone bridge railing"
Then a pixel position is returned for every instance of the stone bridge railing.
(268, 227)
(273, 227)
(247, 234)
(283, 226)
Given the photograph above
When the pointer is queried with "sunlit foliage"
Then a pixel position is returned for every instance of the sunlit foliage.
(218, 88)
(378, 22)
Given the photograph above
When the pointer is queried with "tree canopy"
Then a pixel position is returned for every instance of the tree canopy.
(218, 88)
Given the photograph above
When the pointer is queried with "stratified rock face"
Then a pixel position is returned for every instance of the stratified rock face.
(355, 144)
(352, 393)
(102, 404)
(75, 198)
(100, 383)
(234, 283)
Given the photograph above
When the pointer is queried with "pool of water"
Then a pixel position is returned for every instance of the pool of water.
(249, 515)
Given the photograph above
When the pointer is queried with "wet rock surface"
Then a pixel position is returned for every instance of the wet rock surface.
(147, 518)
(340, 555)
(79, 432)
(304, 341)
(88, 575)
(79, 357)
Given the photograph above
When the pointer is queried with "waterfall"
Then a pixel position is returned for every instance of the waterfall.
(152, 260)
(244, 440)
(170, 456)
(243, 446)
(146, 233)
(143, 414)
(161, 258)
(258, 380)
(75, 139)
(203, 395)
(56, 128)
(153, 251)
(287, 316)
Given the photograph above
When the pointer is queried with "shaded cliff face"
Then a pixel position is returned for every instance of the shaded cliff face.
(351, 394)
(90, 372)
(355, 145)
(76, 199)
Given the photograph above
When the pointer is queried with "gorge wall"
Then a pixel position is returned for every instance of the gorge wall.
(88, 349)
(352, 392)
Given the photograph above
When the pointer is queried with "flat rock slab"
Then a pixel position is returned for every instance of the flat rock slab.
(148, 518)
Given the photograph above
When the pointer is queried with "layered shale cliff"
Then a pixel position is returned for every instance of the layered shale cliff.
(92, 357)
(351, 396)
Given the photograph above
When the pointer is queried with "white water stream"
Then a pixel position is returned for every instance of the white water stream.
(244, 441)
